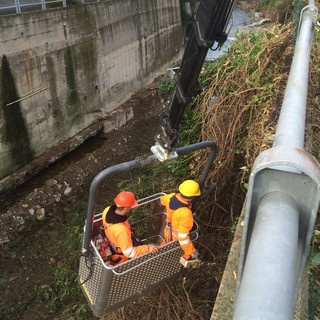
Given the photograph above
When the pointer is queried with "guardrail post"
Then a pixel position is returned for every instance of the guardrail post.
(17, 4)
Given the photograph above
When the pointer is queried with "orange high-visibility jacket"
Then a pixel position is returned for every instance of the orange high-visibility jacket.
(179, 213)
(120, 236)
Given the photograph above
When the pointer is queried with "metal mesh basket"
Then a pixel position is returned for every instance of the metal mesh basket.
(108, 288)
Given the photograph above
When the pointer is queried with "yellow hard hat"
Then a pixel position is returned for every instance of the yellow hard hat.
(190, 188)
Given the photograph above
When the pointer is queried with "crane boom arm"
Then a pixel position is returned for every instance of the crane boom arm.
(207, 29)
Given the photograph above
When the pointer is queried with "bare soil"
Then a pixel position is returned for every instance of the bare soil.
(28, 259)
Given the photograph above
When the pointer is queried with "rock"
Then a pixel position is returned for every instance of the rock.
(44, 196)
(19, 219)
(67, 191)
(57, 197)
(51, 182)
(260, 23)
(4, 240)
(44, 286)
(31, 211)
(40, 214)
(258, 15)
(21, 228)
(13, 278)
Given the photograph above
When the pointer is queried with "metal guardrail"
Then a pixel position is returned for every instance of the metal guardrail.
(282, 202)
(19, 6)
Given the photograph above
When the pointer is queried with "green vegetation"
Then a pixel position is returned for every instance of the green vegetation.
(63, 294)
(166, 88)
(60, 296)
(240, 104)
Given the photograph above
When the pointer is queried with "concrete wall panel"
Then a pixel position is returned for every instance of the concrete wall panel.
(70, 67)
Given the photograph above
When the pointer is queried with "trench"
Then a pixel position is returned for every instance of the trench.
(29, 265)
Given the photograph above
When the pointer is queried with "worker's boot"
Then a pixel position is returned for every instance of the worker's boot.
(190, 263)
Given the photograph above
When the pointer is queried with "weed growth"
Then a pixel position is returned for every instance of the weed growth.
(64, 289)
(241, 103)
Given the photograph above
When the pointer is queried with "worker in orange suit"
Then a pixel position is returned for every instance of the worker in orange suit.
(180, 217)
(118, 230)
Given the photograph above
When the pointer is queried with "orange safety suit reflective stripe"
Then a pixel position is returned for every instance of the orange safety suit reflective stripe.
(120, 236)
(179, 214)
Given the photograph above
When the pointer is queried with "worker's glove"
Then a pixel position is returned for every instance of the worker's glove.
(153, 248)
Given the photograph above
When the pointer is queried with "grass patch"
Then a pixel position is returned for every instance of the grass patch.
(64, 295)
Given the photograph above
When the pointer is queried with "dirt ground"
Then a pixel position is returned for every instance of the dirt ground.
(33, 213)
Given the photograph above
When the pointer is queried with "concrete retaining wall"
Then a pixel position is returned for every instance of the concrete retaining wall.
(69, 67)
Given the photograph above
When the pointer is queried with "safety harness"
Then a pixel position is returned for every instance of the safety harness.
(106, 248)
